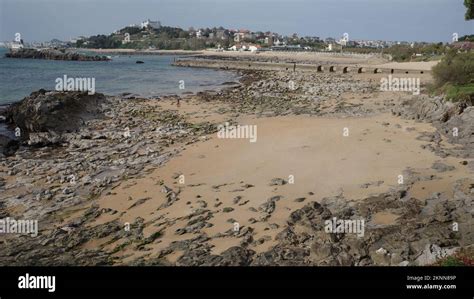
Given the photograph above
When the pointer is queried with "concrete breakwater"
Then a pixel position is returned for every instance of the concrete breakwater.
(291, 66)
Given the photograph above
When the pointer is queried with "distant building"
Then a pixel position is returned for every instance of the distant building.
(269, 40)
(279, 43)
(151, 24)
(246, 47)
(236, 48)
(242, 35)
(254, 48)
(342, 42)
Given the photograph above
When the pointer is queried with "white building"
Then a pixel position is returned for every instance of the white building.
(279, 43)
(152, 24)
(199, 33)
(342, 42)
(245, 47)
(254, 48)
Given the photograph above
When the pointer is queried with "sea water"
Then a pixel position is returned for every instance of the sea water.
(155, 77)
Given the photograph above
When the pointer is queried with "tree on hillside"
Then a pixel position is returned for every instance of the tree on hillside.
(131, 30)
(470, 9)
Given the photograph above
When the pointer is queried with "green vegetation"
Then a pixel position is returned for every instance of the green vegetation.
(469, 38)
(462, 258)
(419, 52)
(164, 38)
(470, 9)
(459, 93)
(456, 68)
(100, 41)
(405, 52)
(454, 75)
(451, 261)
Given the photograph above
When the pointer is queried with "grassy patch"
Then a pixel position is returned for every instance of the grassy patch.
(459, 92)
(463, 258)
(451, 261)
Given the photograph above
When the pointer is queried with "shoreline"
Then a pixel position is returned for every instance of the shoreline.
(300, 132)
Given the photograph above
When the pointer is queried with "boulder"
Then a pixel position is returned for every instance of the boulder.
(51, 113)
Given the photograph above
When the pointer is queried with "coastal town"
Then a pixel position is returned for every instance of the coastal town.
(151, 35)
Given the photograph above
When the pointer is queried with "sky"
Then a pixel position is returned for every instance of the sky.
(396, 20)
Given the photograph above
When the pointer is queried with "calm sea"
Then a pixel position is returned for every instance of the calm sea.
(19, 77)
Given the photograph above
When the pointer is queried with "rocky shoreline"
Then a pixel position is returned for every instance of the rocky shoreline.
(74, 149)
(53, 54)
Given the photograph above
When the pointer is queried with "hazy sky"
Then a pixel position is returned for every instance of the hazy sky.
(422, 20)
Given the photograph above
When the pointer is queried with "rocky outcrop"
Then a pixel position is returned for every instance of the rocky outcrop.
(454, 120)
(111, 139)
(53, 54)
(419, 226)
(44, 116)
(234, 256)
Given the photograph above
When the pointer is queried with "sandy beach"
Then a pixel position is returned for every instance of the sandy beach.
(327, 145)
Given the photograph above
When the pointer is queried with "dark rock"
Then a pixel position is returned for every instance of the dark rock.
(54, 113)
(139, 202)
(52, 54)
(8, 145)
(234, 256)
(277, 182)
(268, 207)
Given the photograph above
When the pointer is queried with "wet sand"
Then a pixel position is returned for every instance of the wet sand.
(312, 150)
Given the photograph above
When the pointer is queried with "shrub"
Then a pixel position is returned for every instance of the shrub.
(454, 76)
(459, 92)
(455, 68)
